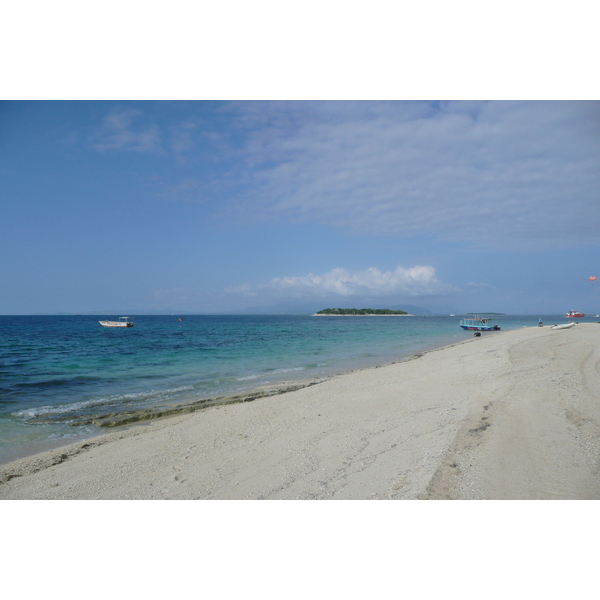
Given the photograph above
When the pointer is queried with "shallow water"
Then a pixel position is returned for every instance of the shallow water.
(58, 372)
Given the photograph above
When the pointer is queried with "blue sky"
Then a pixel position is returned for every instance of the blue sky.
(221, 206)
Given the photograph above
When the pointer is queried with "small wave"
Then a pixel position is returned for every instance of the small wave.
(71, 435)
(290, 370)
(30, 413)
(271, 373)
(40, 411)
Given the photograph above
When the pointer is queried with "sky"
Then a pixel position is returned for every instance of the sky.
(293, 206)
(237, 157)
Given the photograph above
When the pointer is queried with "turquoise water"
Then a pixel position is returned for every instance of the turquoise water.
(55, 370)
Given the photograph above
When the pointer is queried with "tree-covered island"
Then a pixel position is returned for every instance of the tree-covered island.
(360, 311)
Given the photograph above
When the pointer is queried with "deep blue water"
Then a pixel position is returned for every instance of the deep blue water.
(56, 369)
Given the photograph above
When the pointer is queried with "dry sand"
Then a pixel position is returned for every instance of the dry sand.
(509, 415)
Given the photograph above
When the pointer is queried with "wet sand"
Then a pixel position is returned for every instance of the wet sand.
(508, 415)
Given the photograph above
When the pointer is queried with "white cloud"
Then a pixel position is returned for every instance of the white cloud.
(509, 174)
(486, 171)
(120, 132)
(403, 282)
(187, 188)
(181, 139)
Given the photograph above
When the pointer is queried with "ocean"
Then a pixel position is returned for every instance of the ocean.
(65, 378)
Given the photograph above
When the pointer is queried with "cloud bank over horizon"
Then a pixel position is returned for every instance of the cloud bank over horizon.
(415, 282)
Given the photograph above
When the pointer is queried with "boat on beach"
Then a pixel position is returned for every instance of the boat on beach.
(479, 323)
(563, 326)
(122, 322)
(574, 314)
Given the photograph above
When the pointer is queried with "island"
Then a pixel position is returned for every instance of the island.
(359, 312)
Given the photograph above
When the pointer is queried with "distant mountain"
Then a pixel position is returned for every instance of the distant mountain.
(121, 313)
(306, 308)
(360, 311)
(287, 308)
(276, 309)
(412, 309)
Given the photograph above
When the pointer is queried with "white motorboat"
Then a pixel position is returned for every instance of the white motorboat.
(563, 326)
(122, 322)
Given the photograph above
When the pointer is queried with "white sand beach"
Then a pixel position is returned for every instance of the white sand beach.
(509, 415)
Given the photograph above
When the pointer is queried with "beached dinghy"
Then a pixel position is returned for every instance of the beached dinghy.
(122, 322)
(563, 326)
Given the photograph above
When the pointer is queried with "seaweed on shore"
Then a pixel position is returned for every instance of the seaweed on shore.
(127, 417)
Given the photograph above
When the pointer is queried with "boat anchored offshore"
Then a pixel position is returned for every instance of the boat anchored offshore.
(574, 313)
(479, 323)
(122, 322)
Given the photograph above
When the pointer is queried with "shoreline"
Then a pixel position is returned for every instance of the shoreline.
(511, 415)
(127, 418)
